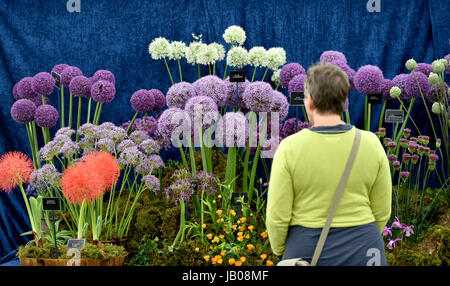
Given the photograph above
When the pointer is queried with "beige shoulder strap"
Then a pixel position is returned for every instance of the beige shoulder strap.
(337, 197)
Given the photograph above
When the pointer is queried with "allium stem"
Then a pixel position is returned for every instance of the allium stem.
(97, 119)
(62, 106)
(192, 156)
(168, 70)
(214, 68)
(365, 113)
(70, 109)
(383, 108)
(209, 68)
(132, 122)
(36, 148)
(30, 140)
(254, 72)
(198, 68)
(265, 73)
(225, 73)
(80, 99)
(278, 85)
(369, 110)
(179, 69)
(89, 110)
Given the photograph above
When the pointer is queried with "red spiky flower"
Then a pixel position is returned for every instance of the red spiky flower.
(105, 164)
(15, 169)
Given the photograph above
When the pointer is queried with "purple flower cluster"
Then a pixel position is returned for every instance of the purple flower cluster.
(289, 126)
(413, 83)
(297, 84)
(213, 87)
(131, 156)
(258, 96)
(231, 93)
(368, 79)
(22, 111)
(183, 186)
(138, 136)
(25, 88)
(81, 86)
(46, 175)
(289, 71)
(160, 99)
(104, 75)
(405, 229)
(206, 182)
(348, 71)
(386, 86)
(152, 183)
(43, 83)
(435, 93)
(400, 82)
(103, 91)
(179, 93)
(143, 101)
(280, 105)
(38, 100)
(68, 73)
(148, 165)
(170, 119)
(424, 68)
(232, 130)
(202, 110)
(46, 116)
(331, 56)
(149, 146)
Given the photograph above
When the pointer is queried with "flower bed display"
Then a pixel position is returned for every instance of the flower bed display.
(208, 207)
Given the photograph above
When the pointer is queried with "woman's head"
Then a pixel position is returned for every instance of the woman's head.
(326, 90)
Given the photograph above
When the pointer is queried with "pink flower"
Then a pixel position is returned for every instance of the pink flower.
(386, 231)
(391, 243)
(396, 223)
(408, 230)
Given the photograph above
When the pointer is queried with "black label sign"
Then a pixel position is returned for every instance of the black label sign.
(374, 98)
(237, 76)
(394, 116)
(236, 196)
(51, 204)
(297, 98)
(76, 243)
(57, 77)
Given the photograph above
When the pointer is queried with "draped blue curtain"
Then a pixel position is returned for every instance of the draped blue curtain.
(114, 35)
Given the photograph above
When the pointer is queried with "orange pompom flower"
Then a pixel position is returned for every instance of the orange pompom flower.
(104, 164)
(15, 169)
(80, 184)
(269, 263)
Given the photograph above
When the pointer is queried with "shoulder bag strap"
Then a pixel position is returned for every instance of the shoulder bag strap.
(337, 197)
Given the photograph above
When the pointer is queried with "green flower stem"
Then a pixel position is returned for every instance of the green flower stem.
(426, 106)
(89, 110)
(81, 220)
(252, 123)
(168, 70)
(97, 119)
(126, 227)
(179, 69)
(365, 112)
(397, 136)
(182, 224)
(132, 122)
(27, 205)
(70, 109)
(214, 68)
(256, 158)
(369, 110)
(209, 68)
(254, 72)
(265, 73)
(202, 151)
(95, 112)
(225, 73)
(192, 157)
(278, 85)
(198, 68)
(35, 141)
(30, 140)
(383, 108)
(183, 157)
(202, 214)
(44, 135)
(80, 99)
(62, 106)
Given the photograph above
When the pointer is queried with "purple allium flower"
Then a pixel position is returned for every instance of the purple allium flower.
(50, 150)
(231, 93)
(47, 175)
(433, 157)
(138, 136)
(406, 132)
(408, 230)
(80, 86)
(142, 101)
(104, 75)
(424, 139)
(131, 156)
(392, 243)
(14, 91)
(152, 183)
(386, 86)
(149, 146)
(289, 127)
(392, 157)
(38, 100)
(43, 83)
(147, 124)
(179, 93)
(404, 142)
(232, 130)
(107, 145)
(258, 96)
(125, 144)
(411, 87)
(103, 91)
(160, 99)
(297, 84)
(202, 110)
(382, 131)
(46, 116)
(404, 175)
(348, 71)
(68, 74)
(69, 149)
(206, 182)
(280, 105)
(25, 88)
(435, 94)
(386, 231)
(59, 68)
(406, 157)
(180, 189)
(392, 145)
(88, 130)
(170, 119)
(396, 165)
(331, 56)
(289, 71)
(368, 80)
(414, 158)
(22, 111)
(424, 68)
(212, 86)
(400, 82)
(66, 131)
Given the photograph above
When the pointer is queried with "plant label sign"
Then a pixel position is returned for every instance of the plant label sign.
(236, 196)
(51, 204)
(374, 98)
(57, 78)
(394, 116)
(297, 98)
(76, 243)
(237, 76)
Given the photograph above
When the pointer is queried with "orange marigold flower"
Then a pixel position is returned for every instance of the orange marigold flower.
(209, 235)
(238, 263)
(240, 238)
(206, 257)
(216, 239)
(243, 219)
(212, 248)
(242, 228)
(106, 165)
(81, 184)
(242, 259)
(233, 213)
(240, 233)
(15, 169)
(251, 227)
(219, 212)
(269, 263)
(203, 225)
(223, 253)
(247, 236)
(231, 261)
(234, 226)
(263, 256)
(222, 236)
(250, 246)
(264, 234)
(226, 231)
(220, 261)
(214, 260)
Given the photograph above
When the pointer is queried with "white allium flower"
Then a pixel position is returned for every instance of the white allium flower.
(258, 57)
(177, 50)
(192, 52)
(437, 108)
(220, 51)
(277, 58)
(237, 57)
(207, 54)
(159, 48)
(234, 35)
(276, 77)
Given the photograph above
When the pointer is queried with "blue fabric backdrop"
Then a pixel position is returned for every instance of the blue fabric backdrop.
(114, 35)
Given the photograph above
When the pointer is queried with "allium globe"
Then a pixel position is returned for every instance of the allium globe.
(231, 93)
(232, 130)
(400, 82)
(179, 93)
(25, 88)
(43, 83)
(213, 87)
(142, 101)
(280, 105)
(258, 96)
(104, 75)
(202, 110)
(368, 80)
(59, 68)
(46, 116)
(81, 86)
(22, 111)
(331, 56)
(68, 74)
(103, 91)
(386, 86)
(38, 100)
(170, 119)
(424, 68)
(297, 84)
(289, 71)
(160, 99)
(348, 71)
(413, 83)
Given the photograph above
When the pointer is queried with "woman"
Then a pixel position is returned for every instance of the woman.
(306, 170)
